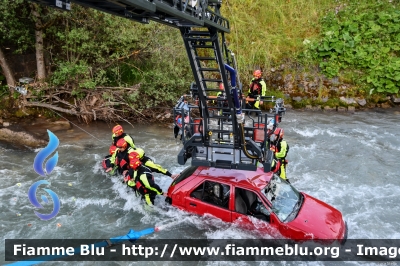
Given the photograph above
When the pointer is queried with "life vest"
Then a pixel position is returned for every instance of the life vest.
(115, 138)
(255, 87)
(140, 152)
(276, 166)
(122, 158)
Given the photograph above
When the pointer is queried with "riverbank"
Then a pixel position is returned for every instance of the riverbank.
(31, 131)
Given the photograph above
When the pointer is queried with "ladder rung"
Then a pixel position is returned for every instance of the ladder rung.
(221, 131)
(212, 80)
(208, 69)
(219, 117)
(225, 145)
(212, 90)
(205, 58)
(202, 46)
(200, 33)
(214, 98)
(198, 39)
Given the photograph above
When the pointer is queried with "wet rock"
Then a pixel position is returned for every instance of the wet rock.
(329, 109)
(20, 139)
(309, 107)
(6, 124)
(59, 125)
(395, 100)
(351, 109)
(341, 109)
(361, 102)
(347, 100)
(385, 105)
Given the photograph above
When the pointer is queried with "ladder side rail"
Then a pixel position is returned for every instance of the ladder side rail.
(191, 52)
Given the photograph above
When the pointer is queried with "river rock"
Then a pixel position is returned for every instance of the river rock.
(395, 100)
(361, 101)
(324, 99)
(328, 108)
(40, 126)
(20, 139)
(347, 100)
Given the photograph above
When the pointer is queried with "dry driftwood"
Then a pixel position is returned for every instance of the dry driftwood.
(92, 107)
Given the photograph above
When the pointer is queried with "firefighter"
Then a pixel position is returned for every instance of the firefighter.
(125, 154)
(280, 148)
(118, 133)
(122, 157)
(148, 162)
(107, 159)
(224, 105)
(141, 179)
(258, 88)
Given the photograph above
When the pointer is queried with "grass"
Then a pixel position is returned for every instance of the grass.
(265, 32)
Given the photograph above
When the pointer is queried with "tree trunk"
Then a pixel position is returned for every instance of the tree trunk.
(41, 68)
(40, 64)
(7, 70)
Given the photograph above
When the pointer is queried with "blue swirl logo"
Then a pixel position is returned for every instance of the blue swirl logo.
(43, 154)
(34, 201)
(38, 167)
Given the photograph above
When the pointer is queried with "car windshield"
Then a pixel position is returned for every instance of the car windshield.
(285, 199)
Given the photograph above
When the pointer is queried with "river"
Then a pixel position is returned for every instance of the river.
(350, 161)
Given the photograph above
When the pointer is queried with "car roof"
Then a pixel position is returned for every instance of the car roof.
(251, 179)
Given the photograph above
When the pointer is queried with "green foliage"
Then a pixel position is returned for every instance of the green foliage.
(75, 74)
(362, 42)
(264, 33)
(16, 29)
(98, 49)
(3, 90)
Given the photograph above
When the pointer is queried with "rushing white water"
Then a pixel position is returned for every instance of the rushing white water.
(350, 161)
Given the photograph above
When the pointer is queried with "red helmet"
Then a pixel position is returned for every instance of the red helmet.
(135, 164)
(121, 143)
(112, 149)
(257, 73)
(134, 156)
(118, 130)
(279, 133)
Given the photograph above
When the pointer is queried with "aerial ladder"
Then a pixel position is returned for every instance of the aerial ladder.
(221, 136)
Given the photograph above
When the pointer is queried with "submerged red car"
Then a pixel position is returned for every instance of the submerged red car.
(256, 200)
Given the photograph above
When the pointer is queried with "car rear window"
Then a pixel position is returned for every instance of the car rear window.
(185, 174)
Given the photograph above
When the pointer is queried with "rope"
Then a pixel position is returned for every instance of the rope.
(80, 128)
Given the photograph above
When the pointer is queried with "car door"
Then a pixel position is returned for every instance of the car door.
(210, 197)
(251, 211)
